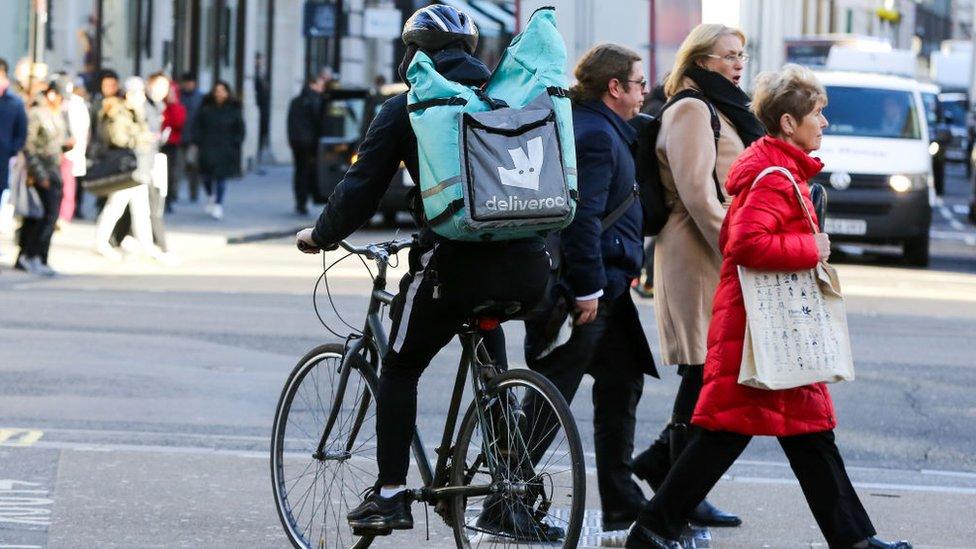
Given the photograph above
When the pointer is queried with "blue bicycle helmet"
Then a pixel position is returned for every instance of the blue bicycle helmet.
(437, 26)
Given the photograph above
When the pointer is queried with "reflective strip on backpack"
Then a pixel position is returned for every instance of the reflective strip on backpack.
(451, 181)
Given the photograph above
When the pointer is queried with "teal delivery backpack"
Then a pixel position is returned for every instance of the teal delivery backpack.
(498, 163)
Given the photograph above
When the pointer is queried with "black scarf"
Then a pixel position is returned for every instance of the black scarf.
(731, 100)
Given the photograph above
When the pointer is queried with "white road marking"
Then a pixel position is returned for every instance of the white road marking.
(21, 502)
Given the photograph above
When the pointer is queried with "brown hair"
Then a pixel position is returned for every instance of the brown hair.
(794, 91)
(598, 66)
(699, 43)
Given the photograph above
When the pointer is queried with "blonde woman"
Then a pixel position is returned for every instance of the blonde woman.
(704, 98)
(766, 229)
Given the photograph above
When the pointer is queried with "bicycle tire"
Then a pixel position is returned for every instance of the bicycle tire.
(461, 468)
(366, 380)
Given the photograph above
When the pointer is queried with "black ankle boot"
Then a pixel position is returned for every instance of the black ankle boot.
(652, 465)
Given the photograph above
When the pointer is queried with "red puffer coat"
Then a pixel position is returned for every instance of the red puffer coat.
(765, 228)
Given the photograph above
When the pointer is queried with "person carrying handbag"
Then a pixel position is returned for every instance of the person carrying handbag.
(768, 229)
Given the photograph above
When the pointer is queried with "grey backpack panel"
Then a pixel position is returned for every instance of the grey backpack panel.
(512, 166)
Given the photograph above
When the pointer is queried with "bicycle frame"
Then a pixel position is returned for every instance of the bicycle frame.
(374, 338)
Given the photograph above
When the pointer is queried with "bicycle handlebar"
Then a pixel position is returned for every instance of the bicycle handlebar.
(379, 250)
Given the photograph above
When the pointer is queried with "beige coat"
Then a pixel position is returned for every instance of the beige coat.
(686, 255)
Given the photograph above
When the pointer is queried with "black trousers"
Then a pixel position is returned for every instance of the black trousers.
(815, 461)
(174, 163)
(304, 176)
(604, 350)
(444, 285)
(35, 234)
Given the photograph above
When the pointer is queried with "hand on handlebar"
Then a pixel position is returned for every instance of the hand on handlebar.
(305, 243)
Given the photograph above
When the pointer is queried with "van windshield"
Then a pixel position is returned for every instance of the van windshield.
(871, 112)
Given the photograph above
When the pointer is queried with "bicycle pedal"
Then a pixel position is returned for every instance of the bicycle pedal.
(372, 531)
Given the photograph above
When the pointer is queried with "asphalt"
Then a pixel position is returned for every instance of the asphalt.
(80, 484)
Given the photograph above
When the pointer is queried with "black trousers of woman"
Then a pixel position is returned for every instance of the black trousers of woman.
(35, 234)
(815, 461)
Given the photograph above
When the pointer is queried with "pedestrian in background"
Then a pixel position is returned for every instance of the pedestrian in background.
(304, 130)
(79, 126)
(47, 139)
(191, 97)
(262, 98)
(13, 134)
(601, 252)
(218, 132)
(767, 228)
(174, 121)
(693, 166)
(122, 125)
(157, 89)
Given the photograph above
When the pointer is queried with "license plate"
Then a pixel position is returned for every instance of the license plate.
(833, 225)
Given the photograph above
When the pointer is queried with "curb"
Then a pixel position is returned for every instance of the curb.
(263, 235)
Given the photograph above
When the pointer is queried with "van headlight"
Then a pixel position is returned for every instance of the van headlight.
(933, 148)
(903, 183)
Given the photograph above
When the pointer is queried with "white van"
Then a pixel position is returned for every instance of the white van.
(878, 168)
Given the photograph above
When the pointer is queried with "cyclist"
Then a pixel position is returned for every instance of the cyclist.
(446, 281)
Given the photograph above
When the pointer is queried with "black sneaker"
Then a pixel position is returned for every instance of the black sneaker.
(378, 515)
(513, 519)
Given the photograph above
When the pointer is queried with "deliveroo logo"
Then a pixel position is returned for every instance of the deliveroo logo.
(527, 166)
(525, 175)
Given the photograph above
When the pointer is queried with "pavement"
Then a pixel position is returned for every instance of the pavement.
(185, 464)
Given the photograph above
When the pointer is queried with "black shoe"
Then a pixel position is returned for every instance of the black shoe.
(621, 520)
(707, 514)
(513, 518)
(301, 210)
(875, 543)
(652, 465)
(642, 538)
(378, 515)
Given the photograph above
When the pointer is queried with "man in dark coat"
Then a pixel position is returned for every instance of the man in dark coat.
(598, 265)
(304, 130)
(13, 125)
(191, 98)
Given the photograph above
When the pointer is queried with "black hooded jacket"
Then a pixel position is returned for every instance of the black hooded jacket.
(389, 141)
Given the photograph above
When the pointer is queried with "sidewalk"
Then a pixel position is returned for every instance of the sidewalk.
(256, 207)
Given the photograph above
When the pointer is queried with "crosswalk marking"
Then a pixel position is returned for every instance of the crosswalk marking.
(19, 437)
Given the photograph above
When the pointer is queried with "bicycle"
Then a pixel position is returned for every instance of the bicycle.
(503, 459)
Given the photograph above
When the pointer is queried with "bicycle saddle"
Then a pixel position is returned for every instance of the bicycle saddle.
(489, 314)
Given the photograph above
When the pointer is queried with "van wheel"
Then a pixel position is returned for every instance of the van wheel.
(916, 251)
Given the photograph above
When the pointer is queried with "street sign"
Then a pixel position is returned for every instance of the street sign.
(382, 23)
(319, 20)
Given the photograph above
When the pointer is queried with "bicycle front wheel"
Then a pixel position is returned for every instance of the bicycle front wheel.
(314, 491)
(521, 438)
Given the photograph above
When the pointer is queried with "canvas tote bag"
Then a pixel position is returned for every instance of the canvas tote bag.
(796, 323)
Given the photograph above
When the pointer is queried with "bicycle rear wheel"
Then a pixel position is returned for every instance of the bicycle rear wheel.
(314, 494)
(524, 436)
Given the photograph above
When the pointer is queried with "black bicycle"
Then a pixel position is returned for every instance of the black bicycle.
(517, 449)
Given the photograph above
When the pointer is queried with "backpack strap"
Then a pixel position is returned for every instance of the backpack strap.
(556, 91)
(716, 129)
(440, 102)
(619, 211)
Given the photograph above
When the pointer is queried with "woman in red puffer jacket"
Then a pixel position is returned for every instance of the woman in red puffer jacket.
(766, 228)
(174, 118)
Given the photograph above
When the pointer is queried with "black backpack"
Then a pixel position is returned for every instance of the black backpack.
(651, 191)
